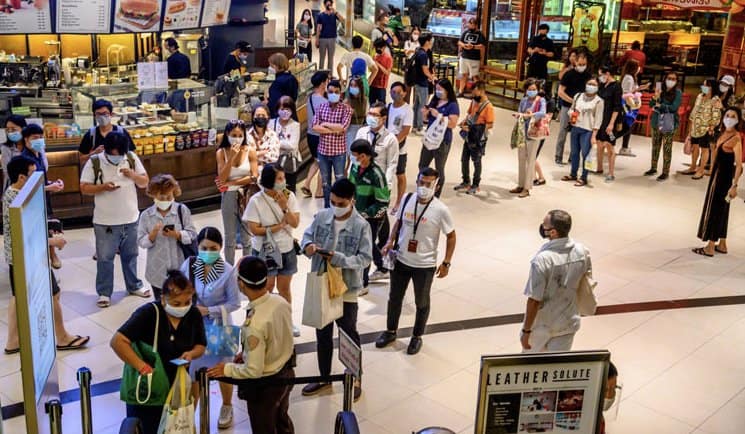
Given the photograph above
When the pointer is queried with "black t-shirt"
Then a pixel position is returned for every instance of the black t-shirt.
(474, 37)
(231, 63)
(179, 66)
(172, 343)
(611, 95)
(86, 145)
(421, 61)
(539, 62)
(574, 82)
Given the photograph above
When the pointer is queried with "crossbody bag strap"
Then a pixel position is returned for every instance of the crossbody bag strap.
(271, 208)
(401, 220)
(157, 327)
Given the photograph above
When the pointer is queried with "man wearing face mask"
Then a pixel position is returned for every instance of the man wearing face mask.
(112, 178)
(540, 50)
(179, 65)
(572, 83)
(412, 245)
(480, 113)
(341, 236)
(471, 46)
(399, 122)
(551, 315)
(92, 142)
(384, 62)
(326, 33)
(238, 58)
(384, 143)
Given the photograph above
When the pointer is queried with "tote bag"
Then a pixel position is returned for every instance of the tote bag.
(591, 162)
(666, 123)
(178, 413)
(151, 389)
(517, 140)
(337, 287)
(223, 339)
(586, 301)
(319, 309)
(435, 133)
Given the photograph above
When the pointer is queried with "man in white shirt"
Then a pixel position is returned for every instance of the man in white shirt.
(399, 122)
(414, 239)
(384, 143)
(345, 64)
(551, 315)
(113, 177)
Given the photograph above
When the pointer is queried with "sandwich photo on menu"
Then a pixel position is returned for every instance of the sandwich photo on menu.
(138, 15)
(180, 14)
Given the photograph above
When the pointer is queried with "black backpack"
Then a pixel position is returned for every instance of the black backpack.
(410, 68)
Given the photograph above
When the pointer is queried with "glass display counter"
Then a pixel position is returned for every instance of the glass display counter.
(448, 22)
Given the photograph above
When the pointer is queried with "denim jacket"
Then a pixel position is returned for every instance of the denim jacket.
(353, 250)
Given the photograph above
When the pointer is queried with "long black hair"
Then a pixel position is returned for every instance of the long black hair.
(669, 94)
(310, 20)
(449, 90)
(230, 126)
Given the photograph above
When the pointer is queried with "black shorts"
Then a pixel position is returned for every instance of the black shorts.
(702, 142)
(602, 136)
(401, 166)
(55, 286)
(313, 145)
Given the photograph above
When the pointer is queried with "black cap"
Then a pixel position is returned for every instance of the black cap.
(244, 47)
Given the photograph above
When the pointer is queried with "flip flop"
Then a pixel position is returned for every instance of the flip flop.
(687, 172)
(568, 178)
(13, 351)
(697, 177)
(580, 183)
(716, 249)
(80, 340)
(701, 251)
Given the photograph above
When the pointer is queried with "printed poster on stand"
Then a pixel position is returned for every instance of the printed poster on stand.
(182, 14)
(25, 16)
(215, 12)
(137, 16)
(547, 393)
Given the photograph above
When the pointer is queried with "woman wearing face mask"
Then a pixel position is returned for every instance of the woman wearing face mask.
(216, 290)
(161, 229)
(610, 392)
(725, 174)
(262, 139)
(667, 102)
(569, 63)
(533, 106)
(726, 91)
(444, 103)
(271, 215)
(410, 46)
(288, 134)
(355, 98)
(238, 58)
(237, 167)
(284, 84)
(705, 118)
(303, 32)
(179, 329)
(629, 86)
(588, 108)
(14, 145)
(610, 92)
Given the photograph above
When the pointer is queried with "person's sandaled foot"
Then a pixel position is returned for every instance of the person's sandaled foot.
(701, 251)
(516, 190)
(697, 176)
(12, 351)
(718, 250)
(306, 192)
(77, 343)
(538, 182)
(687, 172)
(580, 183)
(568, 178)
(524, 193)
(142, 292)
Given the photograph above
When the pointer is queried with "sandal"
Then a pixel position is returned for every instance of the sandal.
(687, 172)
(77, 343)
(718, 250)
(524, 193)
(142, 292)
(568, 178)
(516, 190)
(538, 182)
(580, 183)
(702, 252)
(306, 192)
(12, 351)
(697, 176)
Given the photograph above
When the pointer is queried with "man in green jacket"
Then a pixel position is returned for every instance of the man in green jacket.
(371, 198)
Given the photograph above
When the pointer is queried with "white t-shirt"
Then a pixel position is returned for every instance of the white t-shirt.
(259, 211)
(434, 220)
(410, 45)
(118, 207)
(398, 118)
(348, 58)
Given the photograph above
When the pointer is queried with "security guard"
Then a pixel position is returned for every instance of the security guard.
(268, 352)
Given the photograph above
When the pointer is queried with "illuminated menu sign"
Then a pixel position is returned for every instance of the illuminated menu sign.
(83, 16)
(182, 14)
(25, 16)
(215, 12)
(136, 16)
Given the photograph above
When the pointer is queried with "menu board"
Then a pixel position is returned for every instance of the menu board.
(83, 16)
(136, 16)
(182, 14)
(215, 12)
(25, 16)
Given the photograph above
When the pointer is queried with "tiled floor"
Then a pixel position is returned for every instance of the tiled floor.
(682, 370)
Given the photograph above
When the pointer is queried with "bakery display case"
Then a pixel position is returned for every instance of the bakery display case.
(448, 22)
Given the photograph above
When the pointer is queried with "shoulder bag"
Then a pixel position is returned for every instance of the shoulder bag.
(191, 249)
(288, 161)
(538, 128)
(156, 385)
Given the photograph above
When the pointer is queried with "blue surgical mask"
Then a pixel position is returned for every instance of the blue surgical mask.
(705, 90)
(531, 93)
(354, 91)
(15, 136)
(333, 98)
(209, 257)
(372, 121)
(114, 159)
(439, 94)
(38, 145)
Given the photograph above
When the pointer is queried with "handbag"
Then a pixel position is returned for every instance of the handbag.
(666, 123)
(319, 309)
(223, 340)
(178, 412)
(150, 389)
(538, 128)
(687, 146)
(587, 304)
(475, 137)
(389, 261)
(302, 43)
(591, 162)
(517, 140)
(270, 252)
(337, 286)
(435, 133)
(191, 249)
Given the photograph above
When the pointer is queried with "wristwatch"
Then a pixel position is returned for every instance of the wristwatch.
(446, 264)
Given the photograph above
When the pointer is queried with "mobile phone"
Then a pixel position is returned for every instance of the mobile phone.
(658, 86)
(167, 228)
(180, 362)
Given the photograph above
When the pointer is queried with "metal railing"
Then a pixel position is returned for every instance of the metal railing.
(86, 416)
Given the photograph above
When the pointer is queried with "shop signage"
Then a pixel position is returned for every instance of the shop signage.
(182, 14)
(586, 27)
(137, 16)
(696, 4)
(542, 392)
(83, 16)
(215, 12)
(27, 16)
(350, 354)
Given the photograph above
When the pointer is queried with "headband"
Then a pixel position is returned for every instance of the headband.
(249, 282)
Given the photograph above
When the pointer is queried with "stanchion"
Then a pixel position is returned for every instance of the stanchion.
(348, 391)
(54, 410)
(86, 417)
(204, 401)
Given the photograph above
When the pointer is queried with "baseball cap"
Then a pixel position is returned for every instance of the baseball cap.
(728, 80)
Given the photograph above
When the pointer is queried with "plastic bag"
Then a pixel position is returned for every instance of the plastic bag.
(178, 413)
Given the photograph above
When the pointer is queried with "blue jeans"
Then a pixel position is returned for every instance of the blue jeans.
(325, 164)
(109, 239)
(421, 93)
(580, 141)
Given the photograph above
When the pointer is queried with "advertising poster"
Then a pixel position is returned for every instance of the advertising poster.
(587, 25)
(182, 14)
(25, 16)
(83, 16)
(136, 16)
(547, 393)
(215, 12)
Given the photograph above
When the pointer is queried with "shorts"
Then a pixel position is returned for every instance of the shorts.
(702, 142)
(289, 264)
(55, 285)
(602, 136)
(313, 145)
(468, 66)
(401, 166)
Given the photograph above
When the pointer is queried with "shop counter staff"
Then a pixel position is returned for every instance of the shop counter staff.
(237, 58)
(179, 65)
(268, 352)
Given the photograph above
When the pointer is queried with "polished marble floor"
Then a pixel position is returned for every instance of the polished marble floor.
(682, 370)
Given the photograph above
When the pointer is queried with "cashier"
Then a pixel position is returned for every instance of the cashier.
(237, 58)
(92, 142)
(179, 65)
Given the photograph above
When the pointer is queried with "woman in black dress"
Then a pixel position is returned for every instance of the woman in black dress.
(725, 173)
(610, 92)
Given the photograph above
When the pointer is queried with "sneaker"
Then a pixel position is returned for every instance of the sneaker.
(226, 417)
(417, 131)
(378, 275)
(415, 344)
(363, 291)
(626, 152)
(650, 172)
(103, 301)
(462, 186)
(610, 178)
(662, 177)
(385, 338)
(558, 161)
(142, 292)
(473, 190)
(295, 331)
(314, 388)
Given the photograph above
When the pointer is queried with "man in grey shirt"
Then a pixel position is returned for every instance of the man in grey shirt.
(551, 314)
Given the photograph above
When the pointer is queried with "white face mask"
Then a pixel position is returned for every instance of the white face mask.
(177, 312)
(163, 204)
(306, 17)
(608, 403)
(603, 79)
(425, 193)
(670, 83)
(579, 68)
(591, 89)
(339, 211)
(235, 140)
(723, 88)
(729, 122)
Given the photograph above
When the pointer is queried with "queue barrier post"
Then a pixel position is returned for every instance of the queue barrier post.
(86, 416)
(54, 410)
(204, 398)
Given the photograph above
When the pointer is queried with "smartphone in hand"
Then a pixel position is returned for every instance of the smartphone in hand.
(168, 228)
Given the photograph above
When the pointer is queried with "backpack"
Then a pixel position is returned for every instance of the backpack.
(98, 172)
(410, 68)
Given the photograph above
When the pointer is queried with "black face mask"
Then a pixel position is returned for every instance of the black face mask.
(261, 122)
(542, 231)
(379, 51)
(477, 98)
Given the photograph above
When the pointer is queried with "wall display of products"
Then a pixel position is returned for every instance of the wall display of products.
(137, 16)
(448, 22)
(215, 12)
(83, 16)
(27, 16)
(182, 14)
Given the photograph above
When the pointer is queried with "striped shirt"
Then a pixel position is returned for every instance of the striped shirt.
(371, 195)
(335, 143)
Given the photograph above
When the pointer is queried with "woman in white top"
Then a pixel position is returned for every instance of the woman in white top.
(288, 134)
(271, 215)
(263, 140)
(629, 85)
(237, 166)
(410, 46)
(587, 112)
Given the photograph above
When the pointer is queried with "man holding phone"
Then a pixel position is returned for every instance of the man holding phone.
(112, 178)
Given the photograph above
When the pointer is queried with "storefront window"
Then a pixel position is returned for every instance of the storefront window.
(504, 33)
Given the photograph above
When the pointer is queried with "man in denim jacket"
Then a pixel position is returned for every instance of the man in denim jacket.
(341, 236)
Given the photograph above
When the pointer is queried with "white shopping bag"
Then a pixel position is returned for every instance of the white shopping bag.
(319, 309)
(178, 412)
(435, 133)
(591, 162)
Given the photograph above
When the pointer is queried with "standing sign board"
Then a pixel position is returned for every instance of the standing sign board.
(350, 354)
(543, 392)
(33, 290)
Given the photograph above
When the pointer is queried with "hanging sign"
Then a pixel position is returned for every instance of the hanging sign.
(587, 25)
